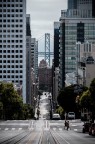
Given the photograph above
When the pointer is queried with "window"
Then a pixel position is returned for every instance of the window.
(20, 56)
(12, 10)
(8, 76)
(8, 61)
(8, 20)
(4, 20)
(12, 56)
(12, 71)
(8, 56)
(12, 20)
(16, 56)
(4, 76)
(4, 10)
(4, 56)
(8, 10)
(12, 66)
(8, 71)
(8, 66)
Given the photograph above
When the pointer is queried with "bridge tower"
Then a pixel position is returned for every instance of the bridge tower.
(47, 48)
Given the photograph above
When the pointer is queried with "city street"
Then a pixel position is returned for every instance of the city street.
(43, 131)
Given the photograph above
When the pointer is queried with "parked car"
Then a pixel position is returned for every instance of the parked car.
(92, 129)
(86, 127)
(56, 116)
(71, 115)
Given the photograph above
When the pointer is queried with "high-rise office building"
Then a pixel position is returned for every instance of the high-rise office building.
(13, 42)
(74, 27)
(28, 60)
(72, 4)
(34, 56)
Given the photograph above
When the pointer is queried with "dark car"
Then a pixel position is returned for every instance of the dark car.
(86, 127)
(92, 129)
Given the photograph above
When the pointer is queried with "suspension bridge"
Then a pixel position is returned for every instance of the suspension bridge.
(46, 53)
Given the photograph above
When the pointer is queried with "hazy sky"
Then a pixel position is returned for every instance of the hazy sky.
(43, 14)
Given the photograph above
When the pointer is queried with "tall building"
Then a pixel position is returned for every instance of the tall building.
(13, 42)
(72, 4)
(45, 76)
(88, 6)
(34, 55)
(56, 44)
(74, 27)
(28, 60)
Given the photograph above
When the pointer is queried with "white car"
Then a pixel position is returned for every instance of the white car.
(56, 116)
(71, 115)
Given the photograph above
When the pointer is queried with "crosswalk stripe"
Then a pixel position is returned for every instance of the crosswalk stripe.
(13, 128)
(20, 129)
(54, 129)
(60, 129)
(6, 128)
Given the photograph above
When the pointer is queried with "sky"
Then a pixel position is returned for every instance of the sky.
(43, 13)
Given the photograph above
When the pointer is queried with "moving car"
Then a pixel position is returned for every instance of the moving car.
(71, 115)
(56, 116)
(86, 127)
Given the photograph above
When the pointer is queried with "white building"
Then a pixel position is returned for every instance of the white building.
(13, 42)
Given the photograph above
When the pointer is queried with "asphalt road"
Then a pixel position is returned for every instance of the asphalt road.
(43, 131)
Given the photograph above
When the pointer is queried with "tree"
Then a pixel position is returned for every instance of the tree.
(1, 110)
(66, 99)
(85, 100)
(92, 91)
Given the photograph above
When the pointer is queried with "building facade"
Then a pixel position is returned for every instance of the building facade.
(45, 76)
(34, 55)
(28, 61)
(13, 42)
(72, 30)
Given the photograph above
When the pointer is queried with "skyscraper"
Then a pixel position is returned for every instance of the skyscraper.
(13, 42)
(72, 4)
(75, 26)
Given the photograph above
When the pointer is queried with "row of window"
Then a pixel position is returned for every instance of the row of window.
(11, 0)
(11, 20)
(4, 25)
(11, 10)
(4, 31)
(11, 15)
(10, 46)
(8, 41)
(11, 5)
(10, 66)
(11, 56)
(12, 76)
(10, 71)
(8, 36)
(11, 61)
(15, 66)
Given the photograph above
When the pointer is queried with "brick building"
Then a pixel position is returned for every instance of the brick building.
(45, 76)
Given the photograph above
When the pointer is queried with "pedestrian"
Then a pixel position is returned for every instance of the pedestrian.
(65, 124)
(68, 125)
